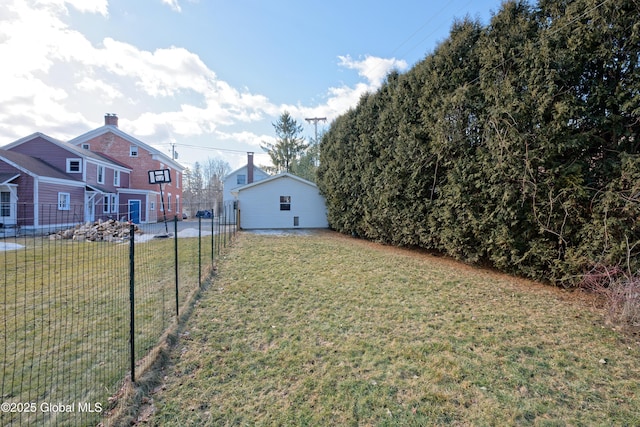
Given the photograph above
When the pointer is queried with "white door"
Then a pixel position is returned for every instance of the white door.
(89, 207)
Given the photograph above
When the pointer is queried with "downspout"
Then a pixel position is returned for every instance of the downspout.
(36, 200)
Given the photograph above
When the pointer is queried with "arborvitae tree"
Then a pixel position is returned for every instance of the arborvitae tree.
(306, 165)
(516, 143)
(450, 112)
(600, 42)
(337, 174)
(512, 86)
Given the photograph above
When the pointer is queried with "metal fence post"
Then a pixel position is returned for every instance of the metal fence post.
(132, 265)
(226, 222)
(175, 258)
(213, 246)
(218, 235)
(199, 251)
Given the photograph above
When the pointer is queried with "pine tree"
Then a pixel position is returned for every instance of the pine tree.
(289, 144)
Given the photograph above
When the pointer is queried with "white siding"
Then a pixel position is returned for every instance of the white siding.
(231, 181)
(260, 205)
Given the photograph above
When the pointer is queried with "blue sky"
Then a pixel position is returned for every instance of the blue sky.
(209, 76)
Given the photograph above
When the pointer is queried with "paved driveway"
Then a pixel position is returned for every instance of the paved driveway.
(191, 223)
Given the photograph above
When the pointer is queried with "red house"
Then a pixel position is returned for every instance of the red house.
(47, 183)
(140, 158)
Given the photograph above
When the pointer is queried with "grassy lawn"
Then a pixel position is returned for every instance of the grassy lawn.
(323, 330)
(64, 315)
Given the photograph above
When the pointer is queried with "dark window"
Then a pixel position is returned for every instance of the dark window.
(285, 203)
(74, 165)
(5, 206)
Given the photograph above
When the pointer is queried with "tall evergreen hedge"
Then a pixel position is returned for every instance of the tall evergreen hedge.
(514, 144)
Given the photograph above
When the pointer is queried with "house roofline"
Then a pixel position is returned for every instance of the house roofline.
(273, 178)
(110, 128)
(29, 138)
(61, 176)
(242, 167)
(7, 181)
(78, 151)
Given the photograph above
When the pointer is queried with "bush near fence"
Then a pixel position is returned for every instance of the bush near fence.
(80, 317)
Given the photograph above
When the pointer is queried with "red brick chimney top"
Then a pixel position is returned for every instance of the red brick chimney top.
(249, 167)
(111, 120)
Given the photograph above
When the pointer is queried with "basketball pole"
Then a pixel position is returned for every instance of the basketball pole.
(164, 212)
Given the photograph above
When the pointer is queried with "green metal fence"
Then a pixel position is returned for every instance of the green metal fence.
(82, 306)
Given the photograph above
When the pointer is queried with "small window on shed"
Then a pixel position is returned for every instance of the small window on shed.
(285, 203)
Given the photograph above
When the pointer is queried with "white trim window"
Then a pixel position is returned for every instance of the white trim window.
(100, 174)
(5, 204)
(285, 203)
(74, 165)
(109, 203)
(133, 151)
(64, 201)
(116, 178)
(169, 202)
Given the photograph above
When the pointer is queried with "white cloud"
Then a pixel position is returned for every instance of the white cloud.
(65, 80)
(161, 73)
(245, 137)
(101, 88)
(340, 99)
(173, 4)
(373, 68)
(89, 6)
(84, 6)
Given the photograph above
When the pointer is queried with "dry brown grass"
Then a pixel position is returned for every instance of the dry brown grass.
(328, 330)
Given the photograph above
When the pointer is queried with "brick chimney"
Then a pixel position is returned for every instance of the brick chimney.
(249, 167)
(111, 120)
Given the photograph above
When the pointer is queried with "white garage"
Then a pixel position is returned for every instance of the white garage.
(281, 201)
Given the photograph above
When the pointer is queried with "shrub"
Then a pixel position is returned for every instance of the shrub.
(621, 292)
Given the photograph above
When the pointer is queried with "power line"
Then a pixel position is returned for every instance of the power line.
(209, 148)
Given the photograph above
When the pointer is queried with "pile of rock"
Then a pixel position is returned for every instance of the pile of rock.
(99, 231)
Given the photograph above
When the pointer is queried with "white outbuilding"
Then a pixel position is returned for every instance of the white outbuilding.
(247, 174)
(281, 201)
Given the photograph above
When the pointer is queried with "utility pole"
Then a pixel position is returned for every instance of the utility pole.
(315, 121)
(174, 153)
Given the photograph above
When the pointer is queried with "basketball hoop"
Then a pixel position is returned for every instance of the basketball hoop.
(161, 176)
